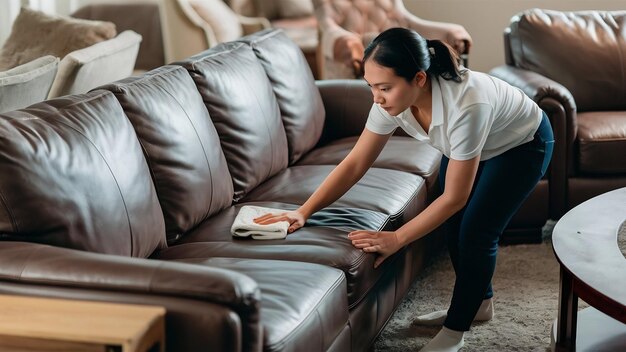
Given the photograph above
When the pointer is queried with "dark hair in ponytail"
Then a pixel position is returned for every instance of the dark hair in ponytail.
(407, 53)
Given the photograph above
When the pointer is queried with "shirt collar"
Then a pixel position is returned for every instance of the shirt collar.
(437, 103)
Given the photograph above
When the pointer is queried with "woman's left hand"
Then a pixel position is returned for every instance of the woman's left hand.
(384, 243)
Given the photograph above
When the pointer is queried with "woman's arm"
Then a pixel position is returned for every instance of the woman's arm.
(460, 177)
(338, 182)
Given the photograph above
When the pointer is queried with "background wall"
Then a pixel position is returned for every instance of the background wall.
(485, 20)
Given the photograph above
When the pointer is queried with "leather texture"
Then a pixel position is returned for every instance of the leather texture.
(323, 241)
(601, 135)
(244, 110)
(303, 312)
(423, 160)
(180, 143)
(74, 176)
(296, 183)
(593, 42)
(570, 64)
(300, 103)
(94, 184)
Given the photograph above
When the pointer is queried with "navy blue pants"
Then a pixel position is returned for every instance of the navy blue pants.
(502, 184)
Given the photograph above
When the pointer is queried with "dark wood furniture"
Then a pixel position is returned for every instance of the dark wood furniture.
(594, 270)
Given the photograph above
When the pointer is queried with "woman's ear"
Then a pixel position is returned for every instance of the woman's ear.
(420, 79)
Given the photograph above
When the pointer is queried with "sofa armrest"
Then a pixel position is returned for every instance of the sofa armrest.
(347, 103)
(559, 105)
(253, 24)
(33, 263)
(207, 308)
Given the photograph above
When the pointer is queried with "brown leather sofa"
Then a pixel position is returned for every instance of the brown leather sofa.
(572, 64)
(127, 193)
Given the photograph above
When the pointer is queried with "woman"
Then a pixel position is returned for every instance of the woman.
(496, 145)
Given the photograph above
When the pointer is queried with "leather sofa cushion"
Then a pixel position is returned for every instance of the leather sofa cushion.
(583, 51)
(601, 139)
(401, 153)
(303, 305)
(300, 103)
(181, 145)
(244, 110)
(394, 193)
(74, 175)
(322, 241)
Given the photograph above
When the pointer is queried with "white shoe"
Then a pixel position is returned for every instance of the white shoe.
(485, 313)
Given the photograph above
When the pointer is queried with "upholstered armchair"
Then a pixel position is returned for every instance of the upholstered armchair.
(192, 26)
(27, 84)
(104, 62)
(346, 27)
(90, 52)
(141, 17)
(294, 17)
(572, 64)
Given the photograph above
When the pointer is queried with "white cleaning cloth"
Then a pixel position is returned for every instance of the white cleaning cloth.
(245, 226)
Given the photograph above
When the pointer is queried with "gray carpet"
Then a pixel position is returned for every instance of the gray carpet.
(526, 287)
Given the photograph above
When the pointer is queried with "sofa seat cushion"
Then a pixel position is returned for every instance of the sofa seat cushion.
(601, 136)
(401, 153)
(322, 241)
(395, 193)
(303, 305)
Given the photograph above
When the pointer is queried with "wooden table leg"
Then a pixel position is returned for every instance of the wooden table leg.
(568, 309)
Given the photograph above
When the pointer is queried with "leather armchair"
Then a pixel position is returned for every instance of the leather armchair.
(346, 27)
(572, 65)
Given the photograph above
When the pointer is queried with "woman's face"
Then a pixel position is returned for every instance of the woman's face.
(393, 93)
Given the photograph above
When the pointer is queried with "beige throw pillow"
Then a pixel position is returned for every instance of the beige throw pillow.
(224, 21)
(35, 34)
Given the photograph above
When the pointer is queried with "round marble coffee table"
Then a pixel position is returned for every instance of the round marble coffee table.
(593, 268)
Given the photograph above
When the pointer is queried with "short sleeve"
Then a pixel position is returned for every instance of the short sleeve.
(380, 122)
(467, 134)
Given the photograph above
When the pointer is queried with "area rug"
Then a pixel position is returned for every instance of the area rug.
(526, 291)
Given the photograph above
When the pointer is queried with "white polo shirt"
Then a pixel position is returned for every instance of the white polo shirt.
(482, 115)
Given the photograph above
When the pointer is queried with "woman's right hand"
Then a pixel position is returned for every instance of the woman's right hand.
(295, 218)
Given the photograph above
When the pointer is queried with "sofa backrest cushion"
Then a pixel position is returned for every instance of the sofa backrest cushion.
(583, 51)
(73, 175)
(242, 105)
(299, 99)
(181, 145)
